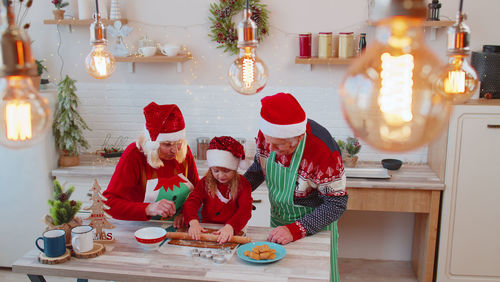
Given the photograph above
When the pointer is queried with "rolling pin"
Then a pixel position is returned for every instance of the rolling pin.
(207, 237)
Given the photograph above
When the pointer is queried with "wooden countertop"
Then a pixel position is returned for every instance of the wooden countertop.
(306, 260)
(410, 176)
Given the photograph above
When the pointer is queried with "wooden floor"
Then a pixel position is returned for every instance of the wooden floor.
(351, 270)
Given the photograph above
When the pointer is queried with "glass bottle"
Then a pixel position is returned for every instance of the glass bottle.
(362, 42)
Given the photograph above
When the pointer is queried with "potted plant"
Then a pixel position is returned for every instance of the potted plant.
(349, 148)
(68, 124)
(63, 210)
(58, 13)
(36, 80)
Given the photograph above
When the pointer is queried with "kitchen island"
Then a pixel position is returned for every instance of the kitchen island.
(124, 260)
(415, 189)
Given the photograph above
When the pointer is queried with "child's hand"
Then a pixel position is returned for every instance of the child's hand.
(195, 229)
(179, 221)
(225, 234)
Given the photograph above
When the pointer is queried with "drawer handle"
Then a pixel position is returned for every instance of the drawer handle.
(257, 201)
(493, 125)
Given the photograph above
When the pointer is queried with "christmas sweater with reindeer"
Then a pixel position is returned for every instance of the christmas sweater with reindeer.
(127, 188)
(321, 182)
(220, 208)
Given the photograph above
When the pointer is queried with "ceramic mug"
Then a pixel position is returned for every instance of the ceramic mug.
(170, 50)
(54, 243)
(147, 51)
(82, 238)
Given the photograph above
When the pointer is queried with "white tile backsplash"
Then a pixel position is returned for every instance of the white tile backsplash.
(208, 111)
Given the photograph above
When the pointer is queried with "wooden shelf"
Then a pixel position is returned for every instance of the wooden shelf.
(179, 59)
(320, 61)
(82, 22)
(435, 24)
(325, 61)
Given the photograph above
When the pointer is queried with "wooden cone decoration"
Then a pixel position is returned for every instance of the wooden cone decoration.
(98, 217)
(115, 13)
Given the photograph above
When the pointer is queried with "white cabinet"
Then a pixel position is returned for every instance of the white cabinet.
(470, 217)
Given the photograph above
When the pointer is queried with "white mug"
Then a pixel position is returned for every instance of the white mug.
(82, 238)
(170, 50)
(147, 51)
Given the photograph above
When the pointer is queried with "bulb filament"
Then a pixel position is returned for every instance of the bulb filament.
(395, 97)
(18, 121)
(455, 82)
(248, 68)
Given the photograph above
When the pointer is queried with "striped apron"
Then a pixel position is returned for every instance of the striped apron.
(281, 182)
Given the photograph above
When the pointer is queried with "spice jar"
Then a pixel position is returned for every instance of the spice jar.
(305, 40)
(202, 144)
(346, 42)
(325, 45)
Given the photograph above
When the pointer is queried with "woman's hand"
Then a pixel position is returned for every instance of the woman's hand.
(179, 221)
(225, 234)
(187, 182)
(195, 229)
(164, 208)
(280, 235)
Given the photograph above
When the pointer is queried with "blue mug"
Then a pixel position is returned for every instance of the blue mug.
(54, 243)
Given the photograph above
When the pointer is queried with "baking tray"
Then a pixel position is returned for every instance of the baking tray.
(355, 172)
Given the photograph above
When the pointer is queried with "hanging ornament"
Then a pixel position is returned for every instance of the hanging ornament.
(222, 29)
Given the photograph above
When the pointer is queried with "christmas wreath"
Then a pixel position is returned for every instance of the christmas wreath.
(222, 29)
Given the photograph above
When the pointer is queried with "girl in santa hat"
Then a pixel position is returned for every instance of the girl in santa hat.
(155, 174)
(224, 193)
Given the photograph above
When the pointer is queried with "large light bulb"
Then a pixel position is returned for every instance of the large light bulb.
(387, 95)
(248, 73)
(100, 63)
(24, 115)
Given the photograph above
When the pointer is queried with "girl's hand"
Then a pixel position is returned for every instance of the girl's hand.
(195, 229)
(179, 221)
(225, 234)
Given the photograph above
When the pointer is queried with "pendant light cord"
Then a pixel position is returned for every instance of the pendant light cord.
(248, 5)
(97, 7)
(461, 4)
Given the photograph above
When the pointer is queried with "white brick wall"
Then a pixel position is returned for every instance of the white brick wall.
(208, 111)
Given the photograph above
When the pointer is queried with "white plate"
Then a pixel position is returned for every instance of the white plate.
(354, 172)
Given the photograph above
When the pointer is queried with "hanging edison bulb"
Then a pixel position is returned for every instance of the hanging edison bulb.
(387, 95)
(100, 63)
(247, 74)
(24, 115)
(459, 79)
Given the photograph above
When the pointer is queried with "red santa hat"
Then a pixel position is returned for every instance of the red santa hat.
(164, 123)
(225, 152)
(281, 116)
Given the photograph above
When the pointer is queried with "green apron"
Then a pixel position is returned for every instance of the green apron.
(281, 182)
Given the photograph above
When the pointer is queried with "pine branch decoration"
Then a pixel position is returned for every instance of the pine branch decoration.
(62, 209)
(68, 124)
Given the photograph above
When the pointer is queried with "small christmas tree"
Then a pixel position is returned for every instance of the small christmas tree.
(98, 217)
(68, 124)
(62, 209)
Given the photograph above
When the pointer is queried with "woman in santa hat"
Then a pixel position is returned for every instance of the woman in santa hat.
(302, 167)
(226, 195)
(155, 174)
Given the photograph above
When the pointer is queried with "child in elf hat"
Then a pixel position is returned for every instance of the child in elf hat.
(224, 193)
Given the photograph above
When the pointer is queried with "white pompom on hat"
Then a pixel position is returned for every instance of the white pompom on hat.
(225, 151)
(281, 116)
